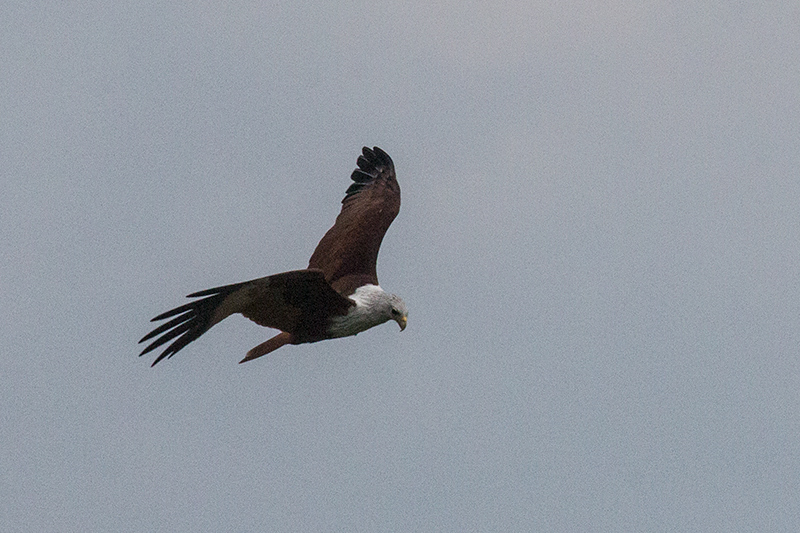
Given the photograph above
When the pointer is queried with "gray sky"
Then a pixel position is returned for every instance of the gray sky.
(598, 246)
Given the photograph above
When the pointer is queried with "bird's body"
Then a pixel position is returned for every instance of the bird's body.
(336, 296)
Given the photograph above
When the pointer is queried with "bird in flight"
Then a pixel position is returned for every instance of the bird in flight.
(336, 296)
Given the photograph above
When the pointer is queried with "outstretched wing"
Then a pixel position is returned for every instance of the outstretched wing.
(348, 252)
(297, 302)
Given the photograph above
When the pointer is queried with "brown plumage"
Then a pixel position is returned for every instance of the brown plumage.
(304, 304)
(348, 253)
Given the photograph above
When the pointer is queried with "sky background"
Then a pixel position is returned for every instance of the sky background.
(598, 246)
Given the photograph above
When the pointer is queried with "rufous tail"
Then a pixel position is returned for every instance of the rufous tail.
(268, 346)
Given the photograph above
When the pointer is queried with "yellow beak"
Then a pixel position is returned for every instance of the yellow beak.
(403, 320)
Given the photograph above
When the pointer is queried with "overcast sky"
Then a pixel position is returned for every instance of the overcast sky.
(598, 246)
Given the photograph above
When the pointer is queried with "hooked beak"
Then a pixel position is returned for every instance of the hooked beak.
(403, 320)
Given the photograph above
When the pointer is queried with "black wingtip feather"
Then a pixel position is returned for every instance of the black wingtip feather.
(163, 327)
(359, 176)
(192, 320)
(371, 164)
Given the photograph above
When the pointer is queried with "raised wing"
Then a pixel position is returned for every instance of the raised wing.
(348, 253)
(297, 302)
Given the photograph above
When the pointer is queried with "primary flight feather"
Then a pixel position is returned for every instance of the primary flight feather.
(336, 296)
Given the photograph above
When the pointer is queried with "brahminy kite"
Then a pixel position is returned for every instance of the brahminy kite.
(336, 296)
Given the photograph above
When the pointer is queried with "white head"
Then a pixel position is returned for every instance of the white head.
(397, 310)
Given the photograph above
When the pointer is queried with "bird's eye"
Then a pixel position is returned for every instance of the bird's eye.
(395, 312)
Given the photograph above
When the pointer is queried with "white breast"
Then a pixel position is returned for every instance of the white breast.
(370, 310)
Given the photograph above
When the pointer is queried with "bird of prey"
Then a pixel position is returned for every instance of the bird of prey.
(336, 296)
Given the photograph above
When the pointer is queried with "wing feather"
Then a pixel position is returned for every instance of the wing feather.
(297, 302)
(348, 253)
